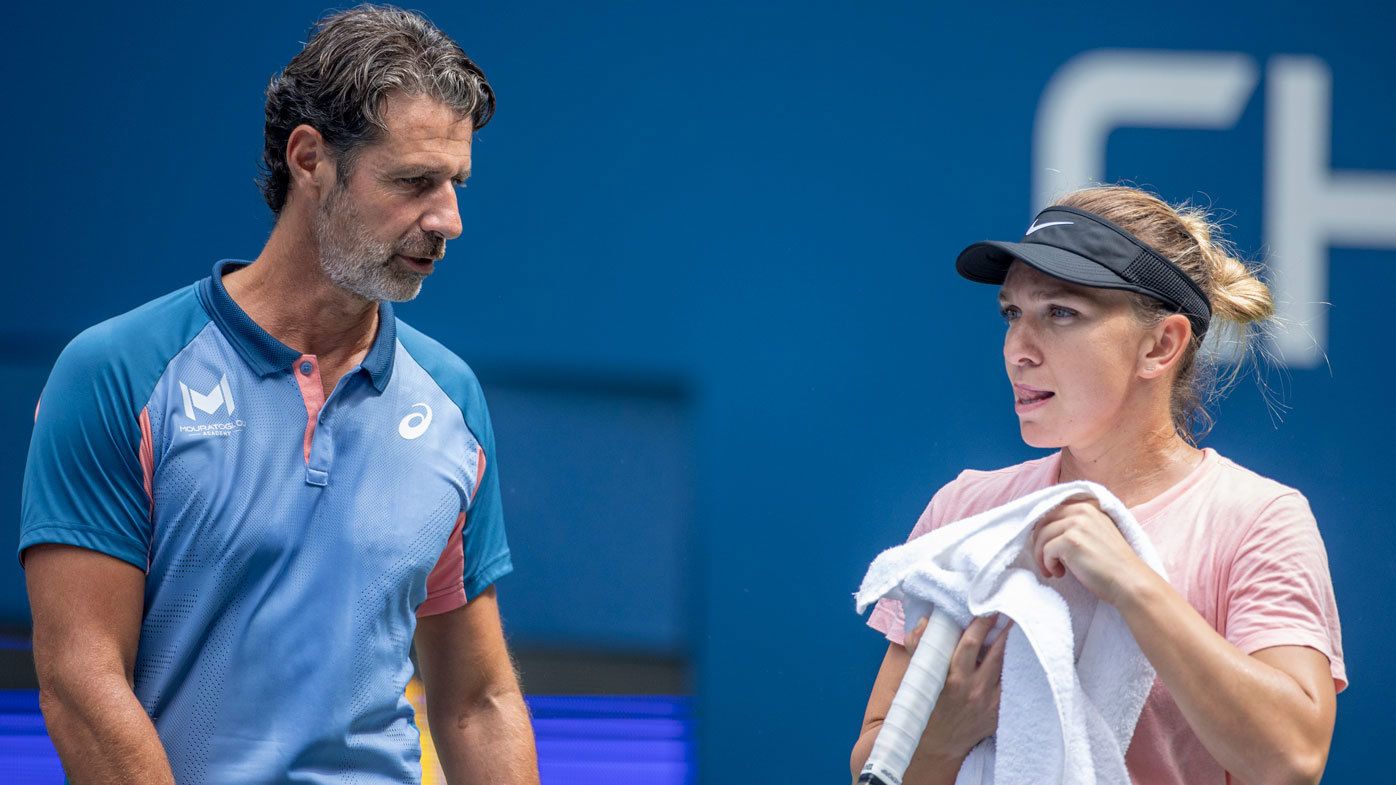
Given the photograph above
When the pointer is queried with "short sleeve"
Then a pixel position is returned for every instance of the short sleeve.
(887, 617)
(486, 548)
(84, 482)
(477, 552)
(1280, 592)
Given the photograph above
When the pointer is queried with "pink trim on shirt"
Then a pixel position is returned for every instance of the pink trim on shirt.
(313, 392)
(147, 456)
(146, 453)
(479, 472)
(446, 582)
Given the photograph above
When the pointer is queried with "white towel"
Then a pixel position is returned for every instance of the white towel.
(1074, 679)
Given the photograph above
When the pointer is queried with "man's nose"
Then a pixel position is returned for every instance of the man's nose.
(443, 215)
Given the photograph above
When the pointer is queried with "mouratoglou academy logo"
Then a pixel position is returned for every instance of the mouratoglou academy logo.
(210, 402)
(220, 397)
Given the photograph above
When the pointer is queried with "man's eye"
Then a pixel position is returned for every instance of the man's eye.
(414, 182)
(1058, 312)
(1009, 313)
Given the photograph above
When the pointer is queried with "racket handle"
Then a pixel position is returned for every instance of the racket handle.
(911, 706)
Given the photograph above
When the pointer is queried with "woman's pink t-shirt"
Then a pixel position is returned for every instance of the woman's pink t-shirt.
(1244, 550)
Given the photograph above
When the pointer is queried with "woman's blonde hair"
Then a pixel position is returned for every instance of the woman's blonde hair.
(1188, 236)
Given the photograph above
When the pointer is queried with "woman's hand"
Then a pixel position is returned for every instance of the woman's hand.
(968, 708)
(1078, 536)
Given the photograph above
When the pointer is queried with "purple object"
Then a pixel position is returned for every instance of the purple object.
(582, 740)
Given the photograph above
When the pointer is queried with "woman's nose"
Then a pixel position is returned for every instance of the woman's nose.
(1020, 346)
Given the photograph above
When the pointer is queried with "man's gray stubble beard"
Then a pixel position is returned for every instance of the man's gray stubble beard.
(354, 260)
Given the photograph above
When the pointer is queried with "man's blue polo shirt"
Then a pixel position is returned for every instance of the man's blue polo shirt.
(290, 540)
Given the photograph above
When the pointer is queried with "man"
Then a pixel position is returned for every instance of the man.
(246, 500)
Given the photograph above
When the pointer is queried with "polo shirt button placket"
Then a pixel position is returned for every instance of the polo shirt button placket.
(317, 438)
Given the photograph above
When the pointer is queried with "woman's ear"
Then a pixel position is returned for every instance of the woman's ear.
(1165, 346)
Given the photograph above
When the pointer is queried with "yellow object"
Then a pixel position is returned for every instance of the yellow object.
(431, 766)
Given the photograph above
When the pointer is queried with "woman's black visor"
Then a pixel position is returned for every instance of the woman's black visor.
(1082, 248)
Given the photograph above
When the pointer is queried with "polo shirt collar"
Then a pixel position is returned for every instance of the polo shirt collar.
(265, 354)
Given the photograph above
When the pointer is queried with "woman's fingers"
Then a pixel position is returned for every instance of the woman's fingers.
(970, 653)
(1039, 539)
(914, 637)
(993, 660)
(966, 653)
(1046, 534)
(1053, 554)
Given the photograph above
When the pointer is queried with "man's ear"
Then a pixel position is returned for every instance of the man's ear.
(310, 162)
(1165, 346)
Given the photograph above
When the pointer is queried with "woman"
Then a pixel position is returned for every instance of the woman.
(1106, 301)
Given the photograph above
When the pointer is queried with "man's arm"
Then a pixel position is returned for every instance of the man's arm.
(476, 709)
(87, 622)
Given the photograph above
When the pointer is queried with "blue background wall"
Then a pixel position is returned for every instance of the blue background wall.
(716, 240)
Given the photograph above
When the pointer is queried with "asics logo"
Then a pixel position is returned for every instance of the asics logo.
(416, 423)
(1037, 226)
(209, 403)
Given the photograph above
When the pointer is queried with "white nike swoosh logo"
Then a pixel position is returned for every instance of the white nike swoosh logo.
(1037, 226)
